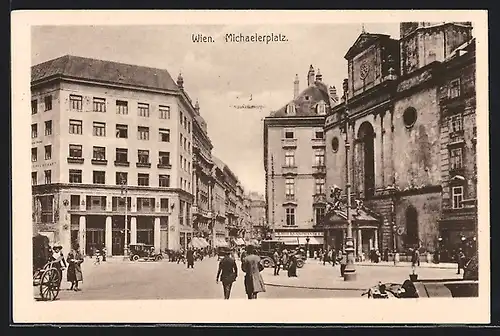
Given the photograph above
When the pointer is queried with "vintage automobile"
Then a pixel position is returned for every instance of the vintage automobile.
(145, 252)
(424, 289)
(266, 251)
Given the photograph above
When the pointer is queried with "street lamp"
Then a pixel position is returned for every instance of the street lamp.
(124, 193)
(350, 271)
(307, 246)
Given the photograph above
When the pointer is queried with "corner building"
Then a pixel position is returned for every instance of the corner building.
(398, 132)
(110, 141)
(294, 162)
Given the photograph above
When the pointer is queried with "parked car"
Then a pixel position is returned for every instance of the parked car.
(266, 252)
(145, 252)
(424, 288)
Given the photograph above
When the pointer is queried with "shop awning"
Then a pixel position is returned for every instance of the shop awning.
(220, 242)
(204, 242)
(316, 240)
(239, 241)
(196, 243)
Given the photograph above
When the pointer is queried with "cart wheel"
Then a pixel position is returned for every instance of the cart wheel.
(300, 263)
(135, 257)
(50, 283)
(266, 263)
(158, 257)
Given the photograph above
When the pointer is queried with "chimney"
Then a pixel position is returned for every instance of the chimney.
(310, 76)
(319, 77)
(296, 86)
(180, 81)
(333, 94)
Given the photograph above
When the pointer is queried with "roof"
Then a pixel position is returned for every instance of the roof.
(218, 162)
(363, 41)
(103, 71)
(306, 101)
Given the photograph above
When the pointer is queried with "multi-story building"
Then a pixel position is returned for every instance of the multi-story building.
(203, 179)
(220, 231)
(402, 97)
(294, 162)
(457, 101)
(110, 142)
(257, 215)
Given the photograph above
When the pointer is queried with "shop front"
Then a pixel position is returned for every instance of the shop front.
(311, 241)
(456, 234)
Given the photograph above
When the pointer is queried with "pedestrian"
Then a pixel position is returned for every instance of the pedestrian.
(97, 257)
(74, 274)
(227, 274)
(292, 267)
(252, 267)
(58, 260)
(343, 263)
(277, 264)
(284, 259)
(460, 260)
(104, 253)
(190, 258)
(386, 254)
(415, 259)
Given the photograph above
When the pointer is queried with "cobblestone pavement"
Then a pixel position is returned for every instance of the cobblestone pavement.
(118, 279)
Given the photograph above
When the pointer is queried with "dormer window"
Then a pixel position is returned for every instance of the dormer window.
(290, 109)
(454, 89)
(321, 108)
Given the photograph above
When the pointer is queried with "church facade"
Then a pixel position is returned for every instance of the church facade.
(411, 128)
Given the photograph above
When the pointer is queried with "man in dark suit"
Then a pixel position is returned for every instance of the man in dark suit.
(227, 273)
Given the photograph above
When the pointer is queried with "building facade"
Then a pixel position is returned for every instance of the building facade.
(203, 179)
(294, 162)
(398, 131)
(259, 226)
(111, 143)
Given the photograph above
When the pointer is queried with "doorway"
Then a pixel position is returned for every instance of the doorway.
(366, 135)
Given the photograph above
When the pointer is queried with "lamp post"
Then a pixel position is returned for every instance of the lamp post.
(307, 246)
(350, 271)
(124, 193)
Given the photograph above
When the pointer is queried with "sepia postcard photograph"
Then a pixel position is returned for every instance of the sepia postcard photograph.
(287, 166)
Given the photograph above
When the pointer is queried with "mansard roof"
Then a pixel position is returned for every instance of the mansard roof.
(306, 101)
(103, 71)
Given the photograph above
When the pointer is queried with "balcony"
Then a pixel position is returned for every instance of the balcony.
(121, 208)
(319, 170)
(99, 162)
(319, 198)
(96, 207)
(164, 166)
(318, 143)
(122, 164)
(456, 138)
(78, 160)
(143, 165)
(146, 209)
(290, 199)
(289, 170)
(289, 143)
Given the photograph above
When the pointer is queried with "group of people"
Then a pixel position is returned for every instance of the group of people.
(287, 260)
(189, 255)
(72, 262)
(251, 265)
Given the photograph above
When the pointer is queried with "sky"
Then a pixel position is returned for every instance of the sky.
(220, 75)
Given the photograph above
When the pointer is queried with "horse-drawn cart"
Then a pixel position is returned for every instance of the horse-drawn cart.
(45, 275)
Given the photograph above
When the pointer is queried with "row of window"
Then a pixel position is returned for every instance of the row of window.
(99, 202)
(289, 133)
(290, 187)
(321, 108)
(184, 143)
(319, 214)
(48, 129)
(185, 164)
(47, 104)
(319, 158)
(184, 122)
(122, 107)
(121, 155)
(48, 153)
(99, 177)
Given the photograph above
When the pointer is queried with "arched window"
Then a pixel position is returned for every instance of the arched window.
(411, 216)
(366, 137)
(321, 108)
(290, 109)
